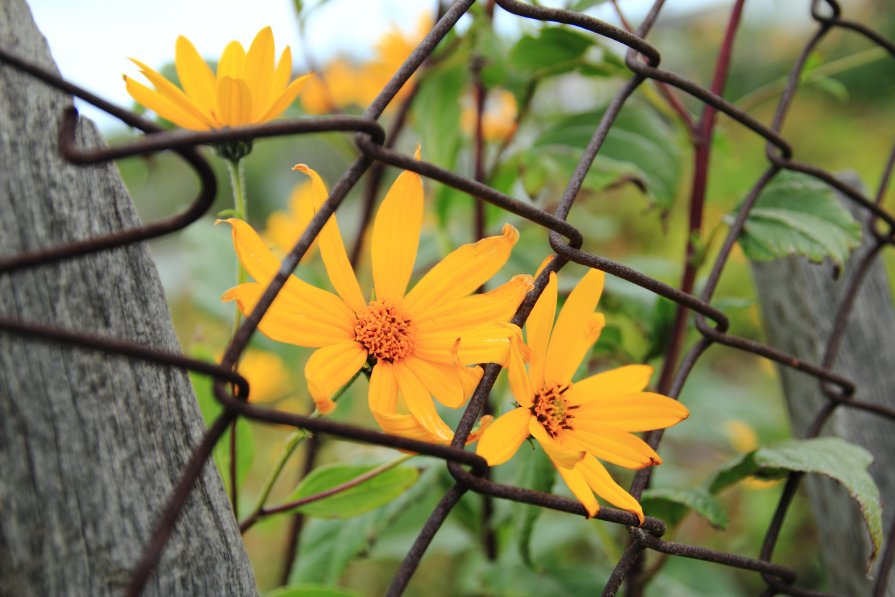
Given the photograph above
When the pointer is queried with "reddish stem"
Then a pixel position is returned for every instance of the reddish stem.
(666, 91)
(703, 147)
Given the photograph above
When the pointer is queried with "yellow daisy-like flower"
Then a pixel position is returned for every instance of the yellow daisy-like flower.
(285, 227)
(248, 88)
(411, 339)
(265, 373)
(578, 423)
(499, 118)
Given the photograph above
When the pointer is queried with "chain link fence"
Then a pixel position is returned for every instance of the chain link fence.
(375, 145)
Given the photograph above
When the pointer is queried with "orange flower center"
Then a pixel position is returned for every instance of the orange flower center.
(552, 410)
(385, 332)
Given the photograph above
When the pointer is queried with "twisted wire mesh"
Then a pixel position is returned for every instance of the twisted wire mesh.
(469, 470)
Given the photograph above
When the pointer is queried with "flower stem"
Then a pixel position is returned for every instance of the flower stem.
(292, 442)
(237, 183)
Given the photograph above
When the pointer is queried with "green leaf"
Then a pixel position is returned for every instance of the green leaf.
(830, 456)
(554, 50)
(640, 144)
(797, 214)
(310, 591)
(671, 505)
(327, 547)
(539, 474)
(436, 111)
(363, 497)
(585, 4)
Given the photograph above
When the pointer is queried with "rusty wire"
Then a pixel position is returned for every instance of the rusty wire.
(469, 470)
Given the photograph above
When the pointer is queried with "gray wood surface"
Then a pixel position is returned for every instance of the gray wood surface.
(799, 302)
(90, 445)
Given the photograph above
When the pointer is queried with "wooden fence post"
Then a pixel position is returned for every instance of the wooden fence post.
(90, 444)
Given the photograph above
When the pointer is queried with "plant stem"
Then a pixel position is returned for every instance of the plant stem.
(292, 442)
(703, 142)
(766, 92)
(237, 183)
(703, 146)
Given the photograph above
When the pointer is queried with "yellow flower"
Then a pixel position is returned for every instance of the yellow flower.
(392, 50)
(265, 373)
(412, 339)
(285, 227)
(577, 423)
(499, 118)
(248, 87)
(333, 90)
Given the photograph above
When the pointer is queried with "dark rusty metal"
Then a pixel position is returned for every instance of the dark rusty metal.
(376, 151)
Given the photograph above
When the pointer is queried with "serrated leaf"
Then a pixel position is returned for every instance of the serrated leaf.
(554, 50)
(310, 591)
(361, 498)
(797, 214)
(833, 457)
(671, 505)
(640, 143)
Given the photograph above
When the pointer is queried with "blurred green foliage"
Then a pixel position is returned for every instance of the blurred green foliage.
(632, 208)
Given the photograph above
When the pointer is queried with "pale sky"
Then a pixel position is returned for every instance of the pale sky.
(92, 39)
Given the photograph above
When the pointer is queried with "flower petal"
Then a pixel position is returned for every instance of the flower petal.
(173, 93)
(460, 273)
(580, 488)
(331, 367)
(164, 107)
(258, 72)
(232, 62)
(332, 249)
(499, 304)
(537, 330)
(285, 228)
(441, 380)
(520, 384)
(484, 344)
(285, 99)
(281, 74)
(396, 235)
(629, 379)
(615, 446)
(561, 455)
(289, 320)
(383, 394)
(504, 436)
(234, 102)
(643, 411)
(576, 329)
(419, 402)
(196, 78)
(599, 479)
(262, 265)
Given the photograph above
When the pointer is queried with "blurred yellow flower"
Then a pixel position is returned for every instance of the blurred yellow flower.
(498, 119)
(333, 90)
(741, 435)
(577, 423)
(341, 84)
(248, 87)
(412, 340)
(266, 374)
(285, 227)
